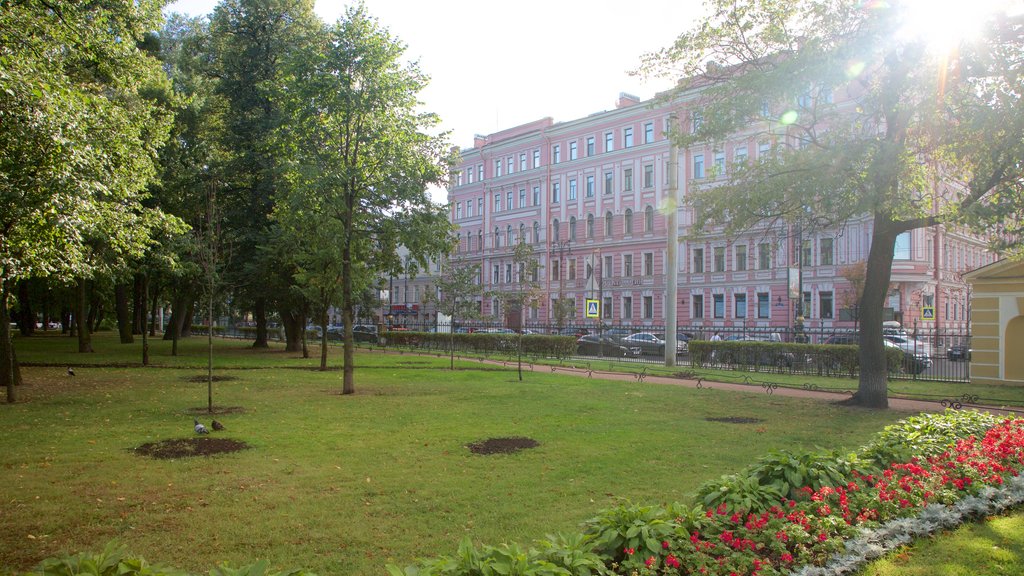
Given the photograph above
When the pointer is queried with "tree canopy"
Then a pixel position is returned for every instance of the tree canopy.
(864, 120)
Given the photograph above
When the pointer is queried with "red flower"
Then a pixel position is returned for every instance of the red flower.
(629, 551)
(664, 545)
(787, 557)
(822, 537)
(672, 561)
(650, 562)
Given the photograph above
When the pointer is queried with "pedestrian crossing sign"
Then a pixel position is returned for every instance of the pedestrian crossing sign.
(927, 313)
(593, 308)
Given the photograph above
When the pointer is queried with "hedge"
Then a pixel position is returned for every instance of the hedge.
(535, 345)
(822, 359)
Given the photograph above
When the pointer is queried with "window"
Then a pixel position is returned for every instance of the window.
(497, 202)
(627, 307)
(508, 273)
(764, 256)
(480, 240)
(497, 168)
(572, 228)
(496, 274)
(739, 308)
(590, 145)
(697, 120)
(572, 189)
(522, 162)
(648, 263)
(719, 258)
(509, 241)
(718, 302)
(572, 269)
(554, 230)
(741, 257)
(536, 158)
(522, 197)
(825, 254)
(536, 232)
(590, 186)
(508, 200)
(763, 149)
(698, 306)
(573, 150)
(901, 251)
(469, 208)
(648, 307)
(739, 155)
(806, 258)
(649, 176)
(606, 307)
(497, 238)
(609, 139)
(536, 195)
(522, 233)
(764, 305)
(766, 109)
(825, 305)
(608, 224)
(480, 206)
(698, 165)
(627, 265)
(556, 153)
(469, 175)
(606, 268)
(556, 192)
(458, 178)
(698, 260)
(469, 242)
(609, 181)
(627, 222)
(509, 166)
(555, 272)
(627, 180)
(627, 137)
(648, 132)
(649, 219)
(458, 210)
(590, 225)
(719, 163)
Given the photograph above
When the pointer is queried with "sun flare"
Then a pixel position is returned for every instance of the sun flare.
(943, 24)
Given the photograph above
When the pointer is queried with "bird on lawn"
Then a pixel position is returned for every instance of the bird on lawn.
(71, 371)
(217, 425)
(200, 429)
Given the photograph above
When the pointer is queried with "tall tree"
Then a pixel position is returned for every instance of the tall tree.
(457, 287)
(79, 139)
(250, 41)
(360, 155)
(865, 121)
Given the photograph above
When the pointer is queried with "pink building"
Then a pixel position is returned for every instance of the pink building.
(590, 195)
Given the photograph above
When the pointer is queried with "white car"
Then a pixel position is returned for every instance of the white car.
(907, 344)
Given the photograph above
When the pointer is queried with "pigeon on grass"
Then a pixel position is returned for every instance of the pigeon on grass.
(71, 371)
(217, 425)
(200, 429)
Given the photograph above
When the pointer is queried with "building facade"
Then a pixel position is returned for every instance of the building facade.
(591, 197)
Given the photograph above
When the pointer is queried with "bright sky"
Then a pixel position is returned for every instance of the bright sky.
(498, 65)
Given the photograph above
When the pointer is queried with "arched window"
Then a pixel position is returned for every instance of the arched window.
(522, 233)
(458, 242)
(572, 228)
(536, 231)
(628, 221)
(480, 240)
(497, 237)
(608, 224)
(590, 225)
(508, 236)
(554, 230)
(649, 219)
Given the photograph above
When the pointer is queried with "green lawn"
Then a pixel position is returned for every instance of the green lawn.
(992, 548)
(345, 484)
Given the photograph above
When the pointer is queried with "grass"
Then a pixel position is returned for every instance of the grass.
(992, 548)
(345, 484)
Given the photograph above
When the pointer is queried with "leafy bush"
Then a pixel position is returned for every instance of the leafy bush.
(825, 359)
(927, 435)
(535, 345)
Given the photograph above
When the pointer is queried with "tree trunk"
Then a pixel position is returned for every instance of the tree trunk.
(348, 368)
(154, 307)
(26, 317)
(872, 390)
(305, 345)
(138, 303)
(323, 342)
(294, 324)
(259, 313)
(124, 318)
(6, 345)
(141, 305)
(66, 325)
(185, 326)
(81, 318)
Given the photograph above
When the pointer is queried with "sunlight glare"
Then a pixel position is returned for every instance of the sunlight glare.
(943, 24)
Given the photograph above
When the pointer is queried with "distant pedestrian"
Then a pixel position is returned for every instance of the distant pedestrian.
(717, 337)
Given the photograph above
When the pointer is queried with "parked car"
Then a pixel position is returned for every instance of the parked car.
(364, 333)
(573, 331)
(914, 362)
(495, 331)
(618, 333)
(594, 345)
(650, 344)
(959, 353)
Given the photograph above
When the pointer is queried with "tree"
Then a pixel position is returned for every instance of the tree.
(457, 287)
(359, 154)
(865, 121)
(854, 275)
(79, 140)
(526, 293)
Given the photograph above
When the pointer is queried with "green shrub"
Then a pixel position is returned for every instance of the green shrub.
(823, 359)
(927, 435)
(505, 344)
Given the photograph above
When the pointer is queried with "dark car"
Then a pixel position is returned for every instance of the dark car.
(593, 345)
(913, 363)
(573, 331)
(364, 333)
(959, 353)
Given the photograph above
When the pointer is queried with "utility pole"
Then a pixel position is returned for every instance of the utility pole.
(671, 260)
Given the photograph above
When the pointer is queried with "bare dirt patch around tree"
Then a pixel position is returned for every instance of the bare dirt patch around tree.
(502, 445)
(205, 378)
(203, 410)
(736, 420)
(189, 447)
